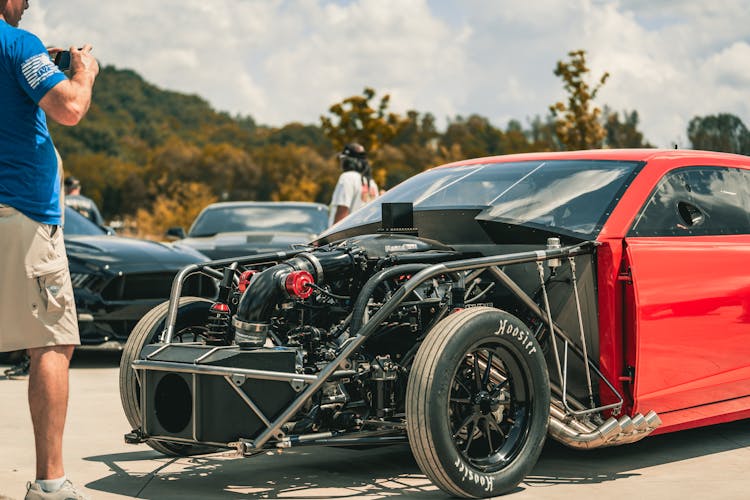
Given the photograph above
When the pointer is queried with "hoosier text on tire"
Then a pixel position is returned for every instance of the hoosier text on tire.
(478, 403)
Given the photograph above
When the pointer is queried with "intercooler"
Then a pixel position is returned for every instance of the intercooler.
(213, 395)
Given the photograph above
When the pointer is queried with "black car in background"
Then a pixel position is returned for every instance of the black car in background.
(232, 229)
(116, 280)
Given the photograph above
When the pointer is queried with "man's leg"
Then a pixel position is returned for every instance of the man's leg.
(48, 402)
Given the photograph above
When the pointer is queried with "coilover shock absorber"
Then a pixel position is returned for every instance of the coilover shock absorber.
(218, 325)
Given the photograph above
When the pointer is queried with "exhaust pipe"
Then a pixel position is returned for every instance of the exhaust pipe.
(585, 435)
(650, 422)
(576, 434)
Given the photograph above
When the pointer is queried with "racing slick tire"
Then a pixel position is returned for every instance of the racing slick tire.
(477, 403)
(190, 324)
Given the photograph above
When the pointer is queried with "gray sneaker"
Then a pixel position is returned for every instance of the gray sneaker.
(66, 492)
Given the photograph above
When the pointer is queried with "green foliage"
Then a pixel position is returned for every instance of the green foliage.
(413, 149)
(355, 120)
(475, 135)
(129, 115)
(625, 133)
(542, 134)
(136, 134)
(577, 125)
(107, 180)
(723, 132)
(301, 135)
(177, 206)
(299, 173)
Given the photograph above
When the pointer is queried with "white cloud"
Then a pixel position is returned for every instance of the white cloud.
(730, 67)
(282, 60)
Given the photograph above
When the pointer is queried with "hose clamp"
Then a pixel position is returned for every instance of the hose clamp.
(248, 334)
(315, 263)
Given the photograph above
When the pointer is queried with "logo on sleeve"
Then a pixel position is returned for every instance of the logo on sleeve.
(37, 69)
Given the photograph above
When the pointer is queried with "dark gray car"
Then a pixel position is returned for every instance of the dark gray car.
(234, 229)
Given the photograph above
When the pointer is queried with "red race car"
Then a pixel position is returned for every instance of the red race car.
(595, 296)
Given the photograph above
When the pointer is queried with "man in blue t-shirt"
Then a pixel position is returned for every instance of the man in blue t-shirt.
(36, 299)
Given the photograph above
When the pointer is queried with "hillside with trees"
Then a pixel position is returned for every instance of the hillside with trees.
(154, 158)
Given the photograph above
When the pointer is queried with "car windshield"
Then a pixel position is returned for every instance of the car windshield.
(570, 195)
(78, 225)
(261, 218)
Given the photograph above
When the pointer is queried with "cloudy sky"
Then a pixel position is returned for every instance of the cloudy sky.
(288, 60)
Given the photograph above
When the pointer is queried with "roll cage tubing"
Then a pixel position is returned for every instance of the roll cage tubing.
(490, 263)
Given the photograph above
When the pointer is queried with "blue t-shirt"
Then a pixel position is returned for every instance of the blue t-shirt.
(29, 178)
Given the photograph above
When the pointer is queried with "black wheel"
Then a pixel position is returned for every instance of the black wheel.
(189, 327)
(477, 403)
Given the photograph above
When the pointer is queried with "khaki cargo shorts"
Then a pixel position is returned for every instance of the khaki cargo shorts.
(37, 308)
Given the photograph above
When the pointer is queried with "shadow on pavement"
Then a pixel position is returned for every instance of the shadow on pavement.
(391, 471)
(308, 473)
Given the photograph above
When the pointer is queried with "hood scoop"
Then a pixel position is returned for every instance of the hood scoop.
(259, 238)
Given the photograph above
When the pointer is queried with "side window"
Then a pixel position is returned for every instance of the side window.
(696, 201)
(745, 188)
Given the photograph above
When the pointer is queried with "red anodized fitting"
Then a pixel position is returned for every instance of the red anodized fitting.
(245, 278)
(298, 283)
(219, 307)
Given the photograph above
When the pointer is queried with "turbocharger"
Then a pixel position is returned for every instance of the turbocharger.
(291, 278)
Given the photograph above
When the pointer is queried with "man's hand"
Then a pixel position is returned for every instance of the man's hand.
(68, 101)
(81, 61)
(52, 51)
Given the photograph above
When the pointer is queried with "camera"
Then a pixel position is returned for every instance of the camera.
(62, 60)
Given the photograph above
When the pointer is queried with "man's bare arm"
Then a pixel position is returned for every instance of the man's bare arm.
(341, 212)
(68, 101)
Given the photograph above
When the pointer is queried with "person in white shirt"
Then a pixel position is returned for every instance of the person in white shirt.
(355, 187)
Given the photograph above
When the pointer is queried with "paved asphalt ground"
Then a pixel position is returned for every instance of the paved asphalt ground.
(712, 463)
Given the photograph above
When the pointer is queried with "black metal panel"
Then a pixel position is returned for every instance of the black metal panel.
(222, 416)
(155, 286)
(207, 408)
(162, 404)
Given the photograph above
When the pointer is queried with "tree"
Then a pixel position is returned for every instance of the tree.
(295, 173)
(355, 120)
(475, 135)
(417, 130)
(577, 124)
(117, 187)
(414, 149)
(178, 206)
(229, 171)
(300, 135)
(723, 132)
(623, 134)
(516, 140)
(542, 134)
(177, 159)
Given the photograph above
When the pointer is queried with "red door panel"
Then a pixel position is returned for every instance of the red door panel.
(692, 308)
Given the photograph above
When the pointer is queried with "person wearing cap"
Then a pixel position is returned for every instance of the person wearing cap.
(355, 187)
(81, 204)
